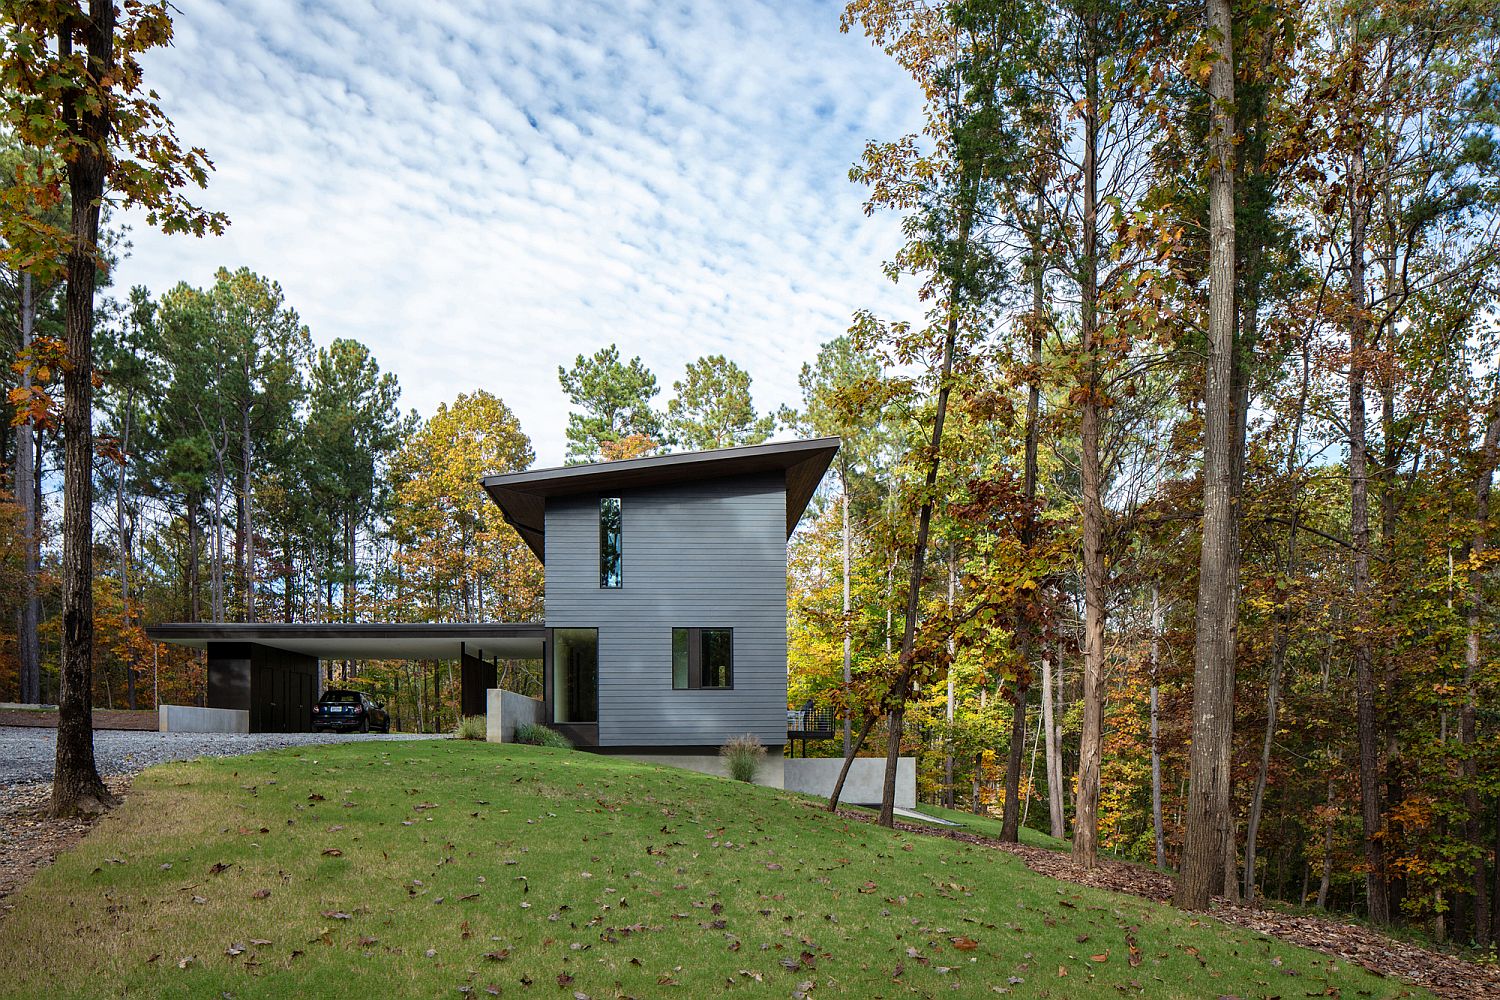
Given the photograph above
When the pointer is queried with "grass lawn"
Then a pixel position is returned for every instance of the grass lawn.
(447, 868)
(989, 826)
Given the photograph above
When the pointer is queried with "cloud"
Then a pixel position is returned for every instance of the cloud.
(480, 192)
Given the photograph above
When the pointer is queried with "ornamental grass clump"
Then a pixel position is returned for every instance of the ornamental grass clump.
(471, 727)
(742, 756)
(538, 735)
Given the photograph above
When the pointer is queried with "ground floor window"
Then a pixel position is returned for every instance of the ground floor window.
(575, 675)
(702, 658)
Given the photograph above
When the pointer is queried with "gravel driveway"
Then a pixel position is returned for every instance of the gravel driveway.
(26, 753)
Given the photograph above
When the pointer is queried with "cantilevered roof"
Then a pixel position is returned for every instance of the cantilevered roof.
(522, 496)
(367, 640)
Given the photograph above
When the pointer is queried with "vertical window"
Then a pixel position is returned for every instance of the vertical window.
(702, 658)
(609, 542)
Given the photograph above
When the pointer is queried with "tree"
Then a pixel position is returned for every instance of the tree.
(461, 561)
(712, 407)
(1218, 586)
(352, 431)
(841, 398)
(88, 108)
(612, 401)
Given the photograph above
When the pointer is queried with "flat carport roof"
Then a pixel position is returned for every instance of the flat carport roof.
(368, 640)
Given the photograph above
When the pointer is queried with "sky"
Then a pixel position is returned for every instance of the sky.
(481, 191)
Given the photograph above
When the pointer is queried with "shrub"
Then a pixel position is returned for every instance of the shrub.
(538, 735)
(742, 756)
(471, 727)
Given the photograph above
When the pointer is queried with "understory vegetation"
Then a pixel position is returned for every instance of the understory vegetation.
(537, 735)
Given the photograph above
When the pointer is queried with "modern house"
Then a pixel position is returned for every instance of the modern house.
(665, 630)
(666, 592)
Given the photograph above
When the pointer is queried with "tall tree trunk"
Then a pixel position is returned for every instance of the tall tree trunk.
(1359, 530)
(1282, 642)
(1156, 827)
(247, 514)
(1208, 830)
(1055, 815)
(902, 687)
(29, 648)
(122, 537)
(848, 636)
(952, 656)
(1478, 543)
(194, 584)
(76, 785)
(1086, 811)
(1010, 816)
(1030, 612)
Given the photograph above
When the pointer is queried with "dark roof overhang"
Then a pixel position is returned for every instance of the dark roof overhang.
(365, 640)
(522, 496)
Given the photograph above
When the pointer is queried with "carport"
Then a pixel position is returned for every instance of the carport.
(270, 671)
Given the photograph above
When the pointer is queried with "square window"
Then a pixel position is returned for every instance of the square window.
(702, 658)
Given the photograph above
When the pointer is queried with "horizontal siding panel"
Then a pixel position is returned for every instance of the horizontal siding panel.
(704, 554)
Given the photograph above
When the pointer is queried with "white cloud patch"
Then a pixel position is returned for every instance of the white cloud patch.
(480, 191)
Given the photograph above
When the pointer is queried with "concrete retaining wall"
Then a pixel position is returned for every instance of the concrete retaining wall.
(816, 775)
(768, 774)
(504, 711)
(192, 719)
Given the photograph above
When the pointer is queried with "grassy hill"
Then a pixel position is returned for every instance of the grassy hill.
(446, 869)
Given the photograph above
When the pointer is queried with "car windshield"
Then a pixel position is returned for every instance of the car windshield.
(341, 697)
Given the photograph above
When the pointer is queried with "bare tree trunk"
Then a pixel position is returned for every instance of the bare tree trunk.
(854, 748)
(1327, 876)
(76, 786)
(195, 610)
(122, 538)
(247, 458)
(1359, 530)
(1156, 827)
(902, 687)
(952, 652)
(848, 637)
(1010, 815)
(1057, 818)
(1086, 812)
(1208, 838)
(29, 648)
(1029, 612)
(1479, 542)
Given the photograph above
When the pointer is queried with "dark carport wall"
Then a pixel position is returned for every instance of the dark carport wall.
(271, 670)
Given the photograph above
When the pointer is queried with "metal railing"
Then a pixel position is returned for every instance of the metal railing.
(809, 720)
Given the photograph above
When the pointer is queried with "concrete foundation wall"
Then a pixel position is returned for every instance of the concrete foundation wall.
(816, 775)
(192, 719)
(505, 710)
(769, 774)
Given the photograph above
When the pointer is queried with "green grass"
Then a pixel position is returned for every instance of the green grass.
(433, 868)
(989, 826)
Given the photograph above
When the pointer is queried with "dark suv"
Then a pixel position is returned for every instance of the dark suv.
(350, 711)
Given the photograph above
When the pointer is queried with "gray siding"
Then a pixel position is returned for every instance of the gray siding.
(708, 554)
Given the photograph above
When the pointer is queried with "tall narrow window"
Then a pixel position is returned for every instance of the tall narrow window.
(575, 675)
(609, 542)
(702, 658)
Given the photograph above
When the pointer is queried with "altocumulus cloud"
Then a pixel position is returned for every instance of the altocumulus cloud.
(480, 191)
